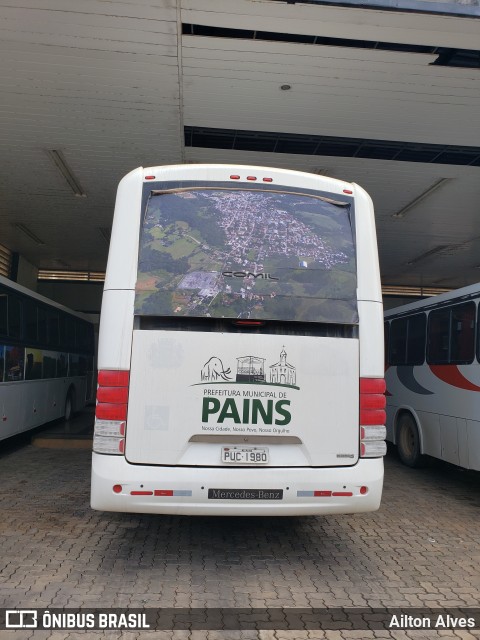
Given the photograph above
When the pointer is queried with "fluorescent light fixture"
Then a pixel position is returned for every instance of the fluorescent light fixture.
(422, 196)
(5, 261)
(28, 232)
(59, 161)
(71, 276)
(445, 250)
(440, 249)
(417, 292)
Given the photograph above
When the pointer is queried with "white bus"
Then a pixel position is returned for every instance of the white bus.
(46, 360)
(433, 378)
(240, 348)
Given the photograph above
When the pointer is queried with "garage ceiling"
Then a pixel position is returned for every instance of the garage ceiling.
(114, 85)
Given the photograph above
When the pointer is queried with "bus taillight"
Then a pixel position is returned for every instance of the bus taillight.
(372, 418)
(115, 378)
(111, 412)
(108, 411)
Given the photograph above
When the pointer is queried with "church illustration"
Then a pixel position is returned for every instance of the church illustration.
(282, 372)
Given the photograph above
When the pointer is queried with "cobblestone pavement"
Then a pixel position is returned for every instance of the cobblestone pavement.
(420, 549)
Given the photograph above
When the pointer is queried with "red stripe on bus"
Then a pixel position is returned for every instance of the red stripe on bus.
(450, 374)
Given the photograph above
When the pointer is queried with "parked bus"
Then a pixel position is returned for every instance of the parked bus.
(240, 349)
(46, 360)
(433, 378)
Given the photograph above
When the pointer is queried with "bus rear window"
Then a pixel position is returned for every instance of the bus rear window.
(251, 254)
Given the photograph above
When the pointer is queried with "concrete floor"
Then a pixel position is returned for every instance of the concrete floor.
(421, 549)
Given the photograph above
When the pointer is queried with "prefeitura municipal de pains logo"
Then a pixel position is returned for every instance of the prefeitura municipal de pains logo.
(230, 404)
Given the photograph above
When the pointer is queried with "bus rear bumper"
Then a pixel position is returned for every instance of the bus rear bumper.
(291, 491)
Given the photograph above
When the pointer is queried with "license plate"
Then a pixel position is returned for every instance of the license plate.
(245, 455)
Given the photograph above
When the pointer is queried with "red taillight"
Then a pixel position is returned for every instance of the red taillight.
(108, 411)
(235, 177)
(117, 488)
(252, 178)
(115, 395)
(372, 417)
(372, 385)
(111, 412)
(149, 177)
(112, 395)
(268, 179)
(107, 378)
(372, 401)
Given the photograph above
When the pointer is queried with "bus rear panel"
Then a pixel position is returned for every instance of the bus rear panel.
(239, 368)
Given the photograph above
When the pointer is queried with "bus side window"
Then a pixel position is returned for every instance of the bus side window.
(14, 363)
(386, 334)
(3, 312)
(478, 334)
(42, 325)
(70, 333)
(53, 329)
(398, 341)
(417, 330)
(31, 321)
(438, 336)
(14, 317)
(62, 330)
(463, 333)
(80, 336)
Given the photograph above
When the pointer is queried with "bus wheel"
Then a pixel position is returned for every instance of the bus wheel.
(69, 404)
(408, 441)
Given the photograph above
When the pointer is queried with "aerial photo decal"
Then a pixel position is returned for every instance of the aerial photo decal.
(239, 253)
